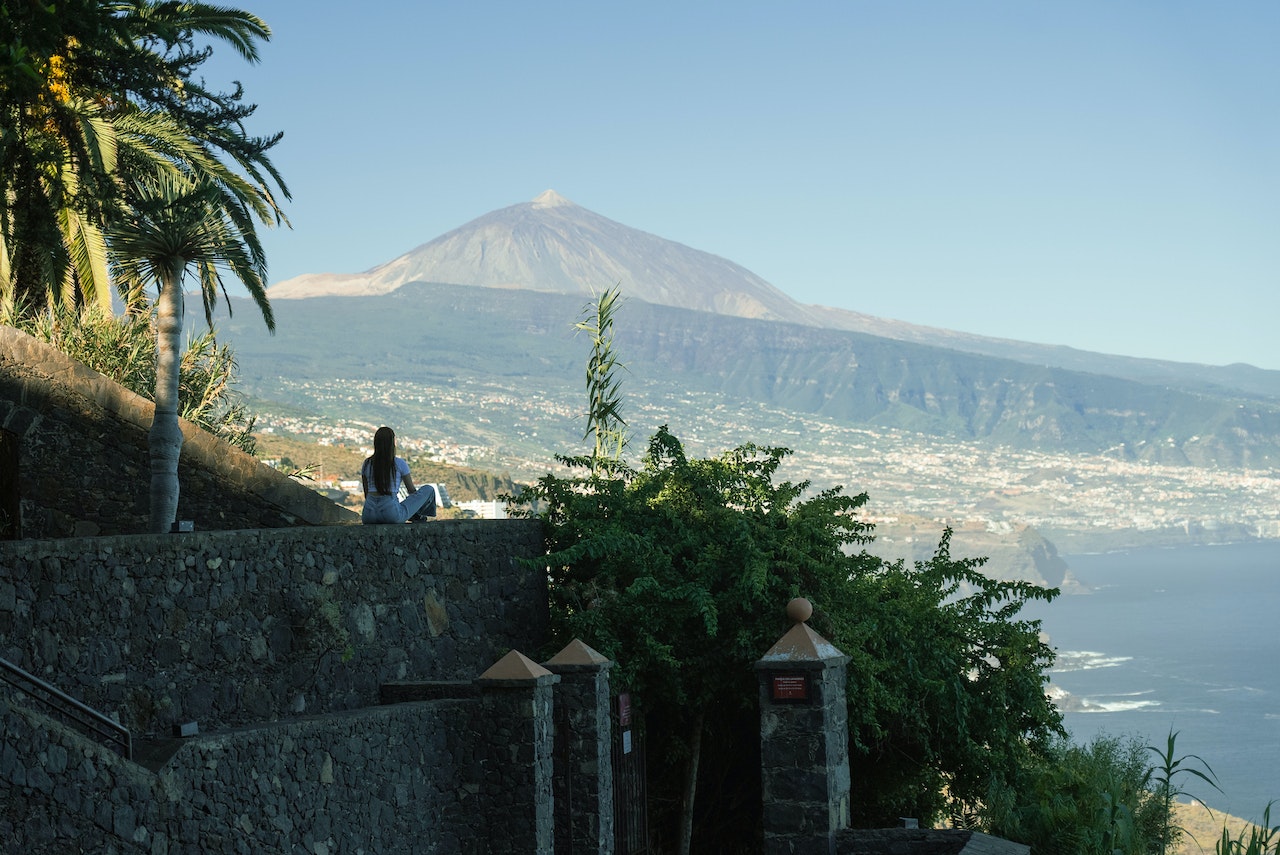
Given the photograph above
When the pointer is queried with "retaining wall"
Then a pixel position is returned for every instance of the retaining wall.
(241, 627)
(276, 642)
(73, 447)
(402, 778)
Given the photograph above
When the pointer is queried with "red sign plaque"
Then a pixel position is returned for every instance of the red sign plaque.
(789, 687)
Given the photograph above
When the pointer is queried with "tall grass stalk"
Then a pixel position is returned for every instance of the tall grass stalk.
(1262, 839)
(604, 397)
(1167, 778)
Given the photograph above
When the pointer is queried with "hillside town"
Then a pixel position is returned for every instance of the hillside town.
(904, 473)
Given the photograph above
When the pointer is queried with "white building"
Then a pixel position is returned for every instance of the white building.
(484, 510)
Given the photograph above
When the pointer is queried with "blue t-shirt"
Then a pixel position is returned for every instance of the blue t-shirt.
(398, 472)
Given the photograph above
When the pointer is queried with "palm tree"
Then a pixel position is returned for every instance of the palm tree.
(104, 91)
(206, 136)
(178, 223)
(154, 144)
(55, 223)
(119, 168)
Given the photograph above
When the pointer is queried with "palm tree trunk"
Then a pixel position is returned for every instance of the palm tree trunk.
(691, 783)
(165, 438)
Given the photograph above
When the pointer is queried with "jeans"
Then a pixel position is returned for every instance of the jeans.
(387, 509)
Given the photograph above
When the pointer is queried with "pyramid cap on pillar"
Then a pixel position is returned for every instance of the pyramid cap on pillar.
(578, 653)
(515, 666)
(801, 645)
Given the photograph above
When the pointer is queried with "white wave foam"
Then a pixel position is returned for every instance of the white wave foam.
(1086, 660)
(1089, 705)
(1249, 689)
(1119, 702)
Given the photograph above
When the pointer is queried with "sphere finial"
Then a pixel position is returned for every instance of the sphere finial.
(799, 609)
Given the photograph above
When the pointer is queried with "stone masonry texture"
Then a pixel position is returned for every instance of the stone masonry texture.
(276, 643)
(403, 778)
(584, 801)
(516, 794)
(240, 627)
(804, 751)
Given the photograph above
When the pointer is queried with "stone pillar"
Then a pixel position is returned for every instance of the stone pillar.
(804, 740)
(584, 781)
(514, 756)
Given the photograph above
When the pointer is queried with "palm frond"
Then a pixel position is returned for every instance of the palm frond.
(174, 22)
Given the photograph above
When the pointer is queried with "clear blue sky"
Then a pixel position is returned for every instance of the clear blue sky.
(1101, 174)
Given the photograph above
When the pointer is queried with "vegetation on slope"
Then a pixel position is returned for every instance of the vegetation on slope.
(466, 334)
(124, 349)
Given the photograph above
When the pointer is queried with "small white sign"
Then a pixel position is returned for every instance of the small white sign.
(626, 742)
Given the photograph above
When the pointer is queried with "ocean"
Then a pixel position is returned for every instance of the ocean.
(1184, 639)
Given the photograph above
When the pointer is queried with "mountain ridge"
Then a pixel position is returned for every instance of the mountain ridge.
(946, 423)
(552, 245)
(452, 332)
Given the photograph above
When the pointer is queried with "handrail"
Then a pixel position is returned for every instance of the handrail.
(111, 732)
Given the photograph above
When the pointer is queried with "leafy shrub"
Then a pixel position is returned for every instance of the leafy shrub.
(1095, 799)
(679, 571)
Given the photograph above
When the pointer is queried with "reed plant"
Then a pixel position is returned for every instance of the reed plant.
(1261, 839)
(1167, 778)
(605, 424)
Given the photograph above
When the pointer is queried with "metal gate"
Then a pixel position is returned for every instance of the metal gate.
(561, 788)
(630, 808)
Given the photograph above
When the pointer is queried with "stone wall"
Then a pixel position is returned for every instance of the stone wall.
(400, 778)
(584, 731)
(79, 444)
(241, 627)
(804, 740)
(277, 643)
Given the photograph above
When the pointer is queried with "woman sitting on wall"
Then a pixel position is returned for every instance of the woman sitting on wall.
(383, 472)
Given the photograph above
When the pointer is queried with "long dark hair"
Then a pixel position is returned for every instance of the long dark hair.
(383, 460)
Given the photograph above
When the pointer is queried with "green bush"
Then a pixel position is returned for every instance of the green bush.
(679, 571)
(1095, 799)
